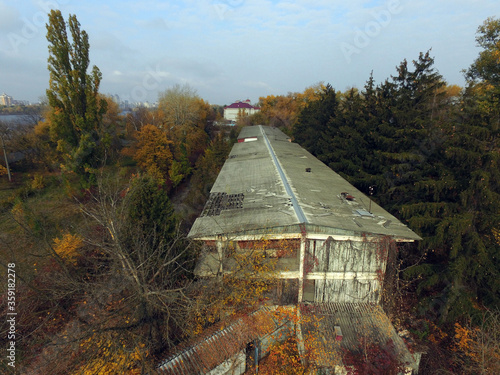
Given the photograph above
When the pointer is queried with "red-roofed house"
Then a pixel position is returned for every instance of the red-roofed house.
(239, 109)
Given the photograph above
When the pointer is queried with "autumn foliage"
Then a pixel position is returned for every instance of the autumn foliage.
(284, 358)
(241, 287)
(67, 247)
(152, 151)
(373, 359)
(478, 347)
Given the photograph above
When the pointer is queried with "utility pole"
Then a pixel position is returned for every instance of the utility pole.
(370, 188)
(5, 156)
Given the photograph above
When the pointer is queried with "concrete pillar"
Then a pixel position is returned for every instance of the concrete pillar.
(302, 256)
(221, 244)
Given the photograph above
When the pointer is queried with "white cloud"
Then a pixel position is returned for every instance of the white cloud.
(153, 23)
(9, 18)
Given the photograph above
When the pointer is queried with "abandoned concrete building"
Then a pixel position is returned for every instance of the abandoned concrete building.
(270, 188)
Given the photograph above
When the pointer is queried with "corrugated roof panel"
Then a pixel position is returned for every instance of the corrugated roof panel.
(220, 345)
(356, 320)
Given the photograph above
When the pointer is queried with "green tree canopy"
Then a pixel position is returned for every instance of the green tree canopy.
(150, 209)
(314, 120)
(487, 66)
(76, 108)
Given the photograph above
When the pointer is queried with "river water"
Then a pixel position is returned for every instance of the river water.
(13, 120)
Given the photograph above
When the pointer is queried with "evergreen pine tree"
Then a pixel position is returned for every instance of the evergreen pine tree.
(461, 209)
(312, 124)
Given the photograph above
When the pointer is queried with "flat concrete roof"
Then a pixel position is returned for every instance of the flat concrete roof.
(271, 185)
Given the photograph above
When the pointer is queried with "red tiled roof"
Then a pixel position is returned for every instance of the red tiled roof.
(241, 105)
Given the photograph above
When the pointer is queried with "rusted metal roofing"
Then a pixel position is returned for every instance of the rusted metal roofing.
(219, 343)
(359, 323)
(333, 328)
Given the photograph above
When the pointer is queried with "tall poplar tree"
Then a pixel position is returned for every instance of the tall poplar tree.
(76, 108)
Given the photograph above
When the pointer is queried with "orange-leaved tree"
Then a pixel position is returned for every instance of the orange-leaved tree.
(299, 347)
(243, 278)
(478, 346)
(67, 247)
(152, 151)
(283, 110)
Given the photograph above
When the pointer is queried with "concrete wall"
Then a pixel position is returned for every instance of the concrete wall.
(233, 366)
(346, 271)
(232, 113)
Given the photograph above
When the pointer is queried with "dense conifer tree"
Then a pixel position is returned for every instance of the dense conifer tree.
(461, 209)
(407, 104)
(150, 209)
(313, 122)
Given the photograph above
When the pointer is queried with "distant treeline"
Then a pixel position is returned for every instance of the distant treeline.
(20, 109)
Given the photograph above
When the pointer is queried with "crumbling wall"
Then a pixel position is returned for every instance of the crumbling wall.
(347, 271)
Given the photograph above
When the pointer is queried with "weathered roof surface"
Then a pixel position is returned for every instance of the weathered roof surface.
(269, 182)
(360, 324)
(219, 343)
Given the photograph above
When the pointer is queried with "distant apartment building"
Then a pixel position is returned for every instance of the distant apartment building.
(116, 98)
(239, 109)
(5, 99)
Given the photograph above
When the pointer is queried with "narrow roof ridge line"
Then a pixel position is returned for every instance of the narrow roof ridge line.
(296, 206)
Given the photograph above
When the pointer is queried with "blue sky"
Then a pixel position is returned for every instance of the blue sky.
(239, 49)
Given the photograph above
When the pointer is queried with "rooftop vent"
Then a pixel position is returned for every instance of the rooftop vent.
(308, 170)
(247, 139)
(364, 213)
(347, 196)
